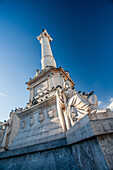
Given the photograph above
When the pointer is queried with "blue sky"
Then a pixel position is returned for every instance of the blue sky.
(82, 33)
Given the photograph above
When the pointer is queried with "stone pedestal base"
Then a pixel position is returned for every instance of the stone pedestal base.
(87, 145)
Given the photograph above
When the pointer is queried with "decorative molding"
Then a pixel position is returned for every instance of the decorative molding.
(60, 69)
(23, 124)
(41, 116)
(31, 120)
(50, 101)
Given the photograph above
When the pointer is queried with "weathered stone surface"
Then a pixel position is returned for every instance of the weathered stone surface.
(106, 143)
(55, 155)
(102, 126)
(40, 131)
(89, 126)
(79, 148)
(34, 148)
(80, 131)
(48, 160)
(88, 155)
(29, 158)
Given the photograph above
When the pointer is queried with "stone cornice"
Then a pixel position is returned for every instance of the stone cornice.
(44, 73)
(37, 106)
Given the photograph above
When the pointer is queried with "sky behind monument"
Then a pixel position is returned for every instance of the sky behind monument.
(82, 33)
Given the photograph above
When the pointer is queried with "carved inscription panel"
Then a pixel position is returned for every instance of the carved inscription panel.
(41, 87)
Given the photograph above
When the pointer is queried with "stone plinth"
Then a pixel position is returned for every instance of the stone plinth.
(87, 145)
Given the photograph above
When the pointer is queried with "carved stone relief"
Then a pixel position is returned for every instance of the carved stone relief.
(40, 88)
(31, 121)
(41, 116)
(23, 124)
(73, 114)
(51, 113)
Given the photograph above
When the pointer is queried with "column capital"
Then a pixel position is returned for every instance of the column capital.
(44, 34)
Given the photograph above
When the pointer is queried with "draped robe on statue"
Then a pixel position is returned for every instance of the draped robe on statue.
(73, 106)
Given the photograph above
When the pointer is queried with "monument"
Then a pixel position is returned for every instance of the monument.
(58, 125)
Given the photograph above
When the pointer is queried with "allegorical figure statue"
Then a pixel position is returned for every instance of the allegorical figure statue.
(74, 105)
(81, 106)
(11, 129)
(6, 134)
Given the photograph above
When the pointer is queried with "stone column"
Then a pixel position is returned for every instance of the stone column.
(47, 56)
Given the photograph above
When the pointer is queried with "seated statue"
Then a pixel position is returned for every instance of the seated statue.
(92, 98)
(75, 105)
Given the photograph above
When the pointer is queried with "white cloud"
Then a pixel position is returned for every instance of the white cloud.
(111, 104)
(4, 95)
(111, 100)
(99, 102)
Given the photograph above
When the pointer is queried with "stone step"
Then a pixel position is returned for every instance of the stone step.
(37, 141)
(37, 130)
(26, 137)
